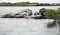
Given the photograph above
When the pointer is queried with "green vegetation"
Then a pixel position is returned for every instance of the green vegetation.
(53, 14)
(50, 14)
(18, 4)
(28, 4)
(6, 4)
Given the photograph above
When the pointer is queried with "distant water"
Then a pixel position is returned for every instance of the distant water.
(26, 27)
(8, 9)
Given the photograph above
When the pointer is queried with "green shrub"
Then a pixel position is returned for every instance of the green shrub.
(49, 13)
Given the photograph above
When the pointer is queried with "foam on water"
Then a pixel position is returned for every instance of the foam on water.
(26, 27)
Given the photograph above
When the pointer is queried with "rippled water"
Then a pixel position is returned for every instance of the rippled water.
(8, 9)
(26, 27)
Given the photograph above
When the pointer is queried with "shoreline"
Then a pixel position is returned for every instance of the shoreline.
(21, 6)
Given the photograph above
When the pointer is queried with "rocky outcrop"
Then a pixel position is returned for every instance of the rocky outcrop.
(51, 24)
(27, 13)
(40, 14)
(37, 15)
(20, 14)
(6, 16)
(42, 11)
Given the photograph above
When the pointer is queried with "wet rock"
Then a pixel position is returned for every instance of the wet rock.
(27, 12)
(51, 24)
(20, 14)
(6, 16)
(42, 11)
(37, 15)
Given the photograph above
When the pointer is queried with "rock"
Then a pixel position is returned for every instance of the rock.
(37, 15)
(42, 11)
(20, 14)
(6, 16)
(26, 12)
(51, 24)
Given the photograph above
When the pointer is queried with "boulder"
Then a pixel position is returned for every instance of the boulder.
(51, 24)
(6, 16)
(27, 12)
(37, 15)
(42, 11)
